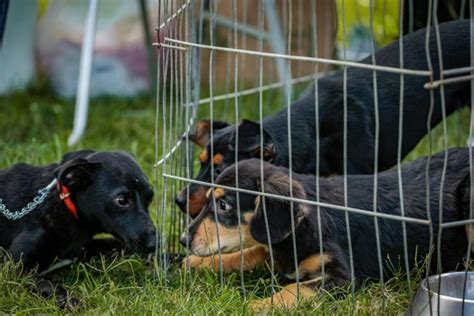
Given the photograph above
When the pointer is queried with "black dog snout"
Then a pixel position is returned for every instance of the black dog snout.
(149, 242)
(184, 240)
(181, 201)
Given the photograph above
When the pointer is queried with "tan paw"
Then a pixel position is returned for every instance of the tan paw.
(201, 263)
(261, 306)
(191, 262)
(285, 299)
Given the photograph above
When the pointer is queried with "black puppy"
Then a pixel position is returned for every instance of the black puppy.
(202, 234)
(360, 116)
(54, 211)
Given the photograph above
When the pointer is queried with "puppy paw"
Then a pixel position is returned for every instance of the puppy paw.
(202, 263)
(285, 299)
(265, 305)
(261, 306)
(192, 262)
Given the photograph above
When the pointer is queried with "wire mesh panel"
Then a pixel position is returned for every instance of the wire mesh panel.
(285, 138)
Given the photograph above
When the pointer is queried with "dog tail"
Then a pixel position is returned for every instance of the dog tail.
(466, 204)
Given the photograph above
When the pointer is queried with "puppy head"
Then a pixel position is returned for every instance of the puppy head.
(216, 227)
(193, 198)
(111, 195)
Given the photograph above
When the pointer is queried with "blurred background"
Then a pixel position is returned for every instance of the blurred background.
(42, 41)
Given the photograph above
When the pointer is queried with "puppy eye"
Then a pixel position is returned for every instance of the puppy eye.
(218, 170)
(223, 206)
(122, 201)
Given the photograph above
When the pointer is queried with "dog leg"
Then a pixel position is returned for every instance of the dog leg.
(253, 257)
(287, 298)
(29, 248)
(335, 276)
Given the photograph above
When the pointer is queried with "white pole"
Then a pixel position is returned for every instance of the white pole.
(82, 97)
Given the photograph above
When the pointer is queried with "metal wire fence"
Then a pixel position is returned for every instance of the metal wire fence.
(257, 56)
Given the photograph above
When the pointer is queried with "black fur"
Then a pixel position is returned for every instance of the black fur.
(360, 114)
(95, 180)
(417, 12)
(362, 227)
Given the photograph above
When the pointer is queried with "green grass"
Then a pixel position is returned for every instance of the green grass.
(386, 18)
(34, 129)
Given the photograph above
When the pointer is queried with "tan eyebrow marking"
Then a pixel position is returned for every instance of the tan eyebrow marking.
(312, 264)
(218, 193)
(203, 156)
(218, 158)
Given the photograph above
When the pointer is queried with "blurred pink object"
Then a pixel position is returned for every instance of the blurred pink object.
(119, 64)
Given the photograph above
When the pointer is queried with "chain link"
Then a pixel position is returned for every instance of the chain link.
(38, 199)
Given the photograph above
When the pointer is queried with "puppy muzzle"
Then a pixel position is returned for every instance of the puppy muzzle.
(143, 244)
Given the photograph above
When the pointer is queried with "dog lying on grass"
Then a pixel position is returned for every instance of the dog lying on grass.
(54, 211)
(202, 234)
(455, 46)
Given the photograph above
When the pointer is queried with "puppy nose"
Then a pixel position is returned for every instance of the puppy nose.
(184, 240)
(151, 242)
(181, 201)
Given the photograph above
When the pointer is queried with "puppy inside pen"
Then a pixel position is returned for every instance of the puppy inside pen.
(323, 224)
(406, 84)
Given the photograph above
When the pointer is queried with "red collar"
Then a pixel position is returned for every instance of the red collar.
(65, 196)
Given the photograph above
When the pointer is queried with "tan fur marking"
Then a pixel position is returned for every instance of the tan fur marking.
(312, 264)
(202, 133)
(252, 257)
(218, 158)
(205, 239)
(203, 156)
(248, 218)
(218, 193)
(287, 298)
(197, 200)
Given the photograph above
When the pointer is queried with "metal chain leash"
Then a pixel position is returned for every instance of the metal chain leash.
(38, 199)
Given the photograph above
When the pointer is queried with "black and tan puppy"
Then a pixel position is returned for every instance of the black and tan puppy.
(202, 234)
(54, 211)
(455, 47)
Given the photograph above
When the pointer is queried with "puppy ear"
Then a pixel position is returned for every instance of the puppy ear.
(249, 140)
(76, 173)
(202, 131)
(278, 210)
